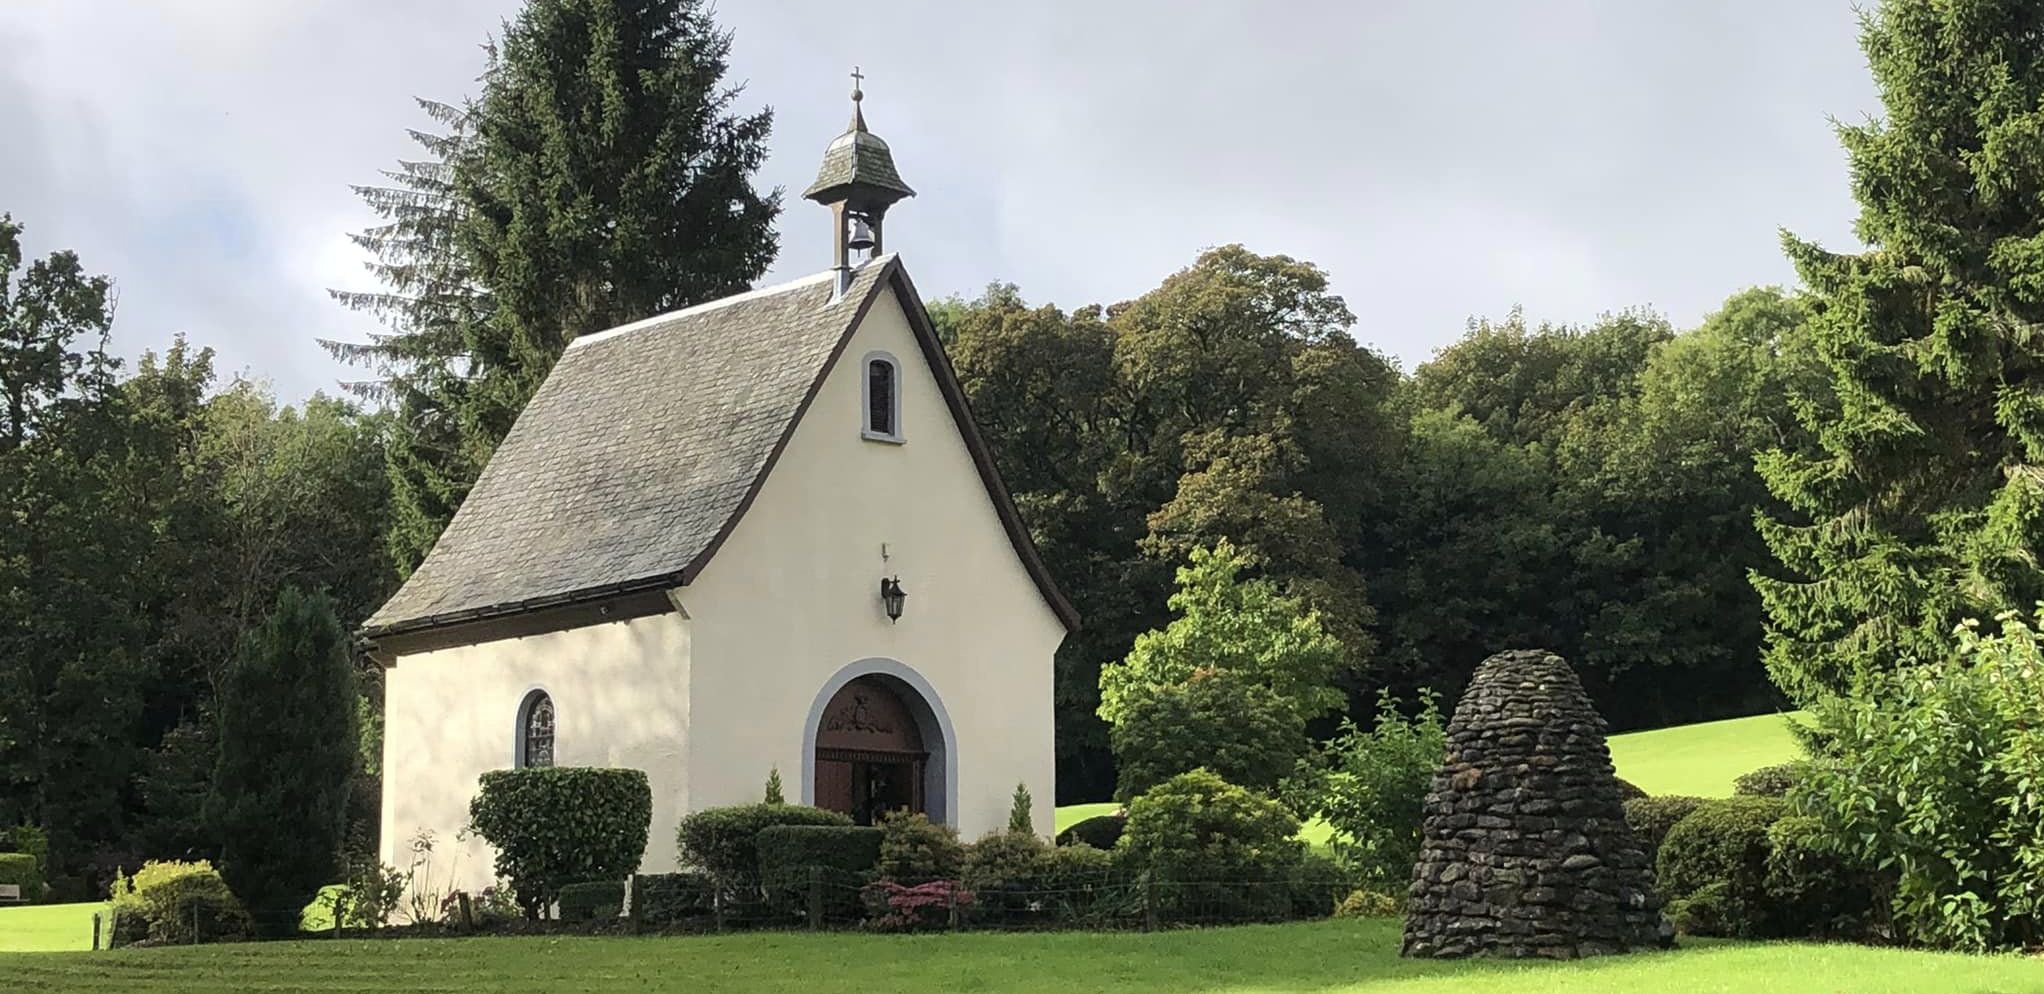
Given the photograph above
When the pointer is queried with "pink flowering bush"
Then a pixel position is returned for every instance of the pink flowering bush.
(893, 907)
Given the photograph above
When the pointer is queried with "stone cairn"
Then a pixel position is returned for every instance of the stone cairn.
(1525, 850)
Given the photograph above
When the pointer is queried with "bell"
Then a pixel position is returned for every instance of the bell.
(862, 236)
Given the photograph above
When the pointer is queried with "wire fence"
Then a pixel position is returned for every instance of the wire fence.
(812, 897)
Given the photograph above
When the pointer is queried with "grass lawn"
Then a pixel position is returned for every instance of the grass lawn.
(1331, 957)
(46, 927)
(1703, 759)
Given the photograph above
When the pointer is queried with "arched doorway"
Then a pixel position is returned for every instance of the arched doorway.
(870, 756)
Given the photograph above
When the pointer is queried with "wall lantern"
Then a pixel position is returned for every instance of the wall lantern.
(892, 595)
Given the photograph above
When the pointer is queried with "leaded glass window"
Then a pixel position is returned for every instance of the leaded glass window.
(536, 731)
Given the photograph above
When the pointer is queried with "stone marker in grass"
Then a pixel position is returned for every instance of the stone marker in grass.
(1525, 851)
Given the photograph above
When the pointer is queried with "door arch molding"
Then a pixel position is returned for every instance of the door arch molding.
(940, 774)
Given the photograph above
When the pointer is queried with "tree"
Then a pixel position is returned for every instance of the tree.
(601, 176)
(1374, 794)
(1222, 720)
(1231, 624)
(288, 746)
(1925, 502)
(43, 312)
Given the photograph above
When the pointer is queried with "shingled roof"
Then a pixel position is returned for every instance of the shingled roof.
(645, 445)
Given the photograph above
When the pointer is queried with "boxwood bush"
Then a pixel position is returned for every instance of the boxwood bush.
(19, 868)
(1712, 868)
(721, 841)
(1650, 818)
(592, 900)
(1006, 872)
(663, 899)
(915, 850)
(1215, 851)
(553, 826)
(842, 856)
(1099, 831)
(1771, 781)
(1814, 890)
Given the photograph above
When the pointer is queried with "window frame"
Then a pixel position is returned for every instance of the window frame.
(866, 429)
(521, 736)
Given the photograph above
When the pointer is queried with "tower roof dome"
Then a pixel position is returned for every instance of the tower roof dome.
(858, 166)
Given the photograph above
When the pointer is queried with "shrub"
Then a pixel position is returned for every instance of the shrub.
(288, 748)
(842, 855)
(913, 849)
(1627, 790)
(369, 895)
(1770, 781)
(1715, 863)
(895, 907)
(31, 840)
(1020, 818)
(176, 903)
(557, 825)
(1215, 851)
(719, 841)
(1650, 818)
(1934, 770)
(1374, 793)
(1005, 872)
(1367, 903)
(1099, 831)
(1083, 886)
(592, 900)
(661, 899)
(1224, 721)
(773, 787)
(1317, 883)
(1814, 890)
(20, 869)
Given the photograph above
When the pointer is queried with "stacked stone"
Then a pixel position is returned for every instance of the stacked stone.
(1525, 851)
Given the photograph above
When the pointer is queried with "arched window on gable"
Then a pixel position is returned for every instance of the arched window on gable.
(536, 730)
(881, 390)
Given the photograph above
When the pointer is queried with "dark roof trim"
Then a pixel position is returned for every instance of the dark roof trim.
(897, 279)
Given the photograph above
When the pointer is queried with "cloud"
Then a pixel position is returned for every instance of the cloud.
(1439, 159)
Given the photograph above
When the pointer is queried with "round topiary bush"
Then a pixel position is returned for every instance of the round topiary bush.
(1215, 851)
(1771, 781)
(558, 825)
(1652, 817)
(1713, 868)
(1814, 891)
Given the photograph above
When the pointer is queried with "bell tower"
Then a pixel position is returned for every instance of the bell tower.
(858, 183)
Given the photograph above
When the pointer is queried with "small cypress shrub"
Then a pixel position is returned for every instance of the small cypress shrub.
(773, 787)
(1020, 818)
(557, 825)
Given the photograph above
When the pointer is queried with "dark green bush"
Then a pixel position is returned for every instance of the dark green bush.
(20, 868)
(914, 849)
(1099, 831)
(1815, 891)
(842, 858)
(1376, 786)
(1651, 817)
(1319, 882)
(1215, 851)
(1627, 790)
(176, 903)
(1771, 781)
(662, 899)
(720, 841)
(592, 900)
(1718, 854)
(1005, 872)
(1223, 720)
(553, 826)
(1084, 886)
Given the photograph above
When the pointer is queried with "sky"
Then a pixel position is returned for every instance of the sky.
(1440, 160)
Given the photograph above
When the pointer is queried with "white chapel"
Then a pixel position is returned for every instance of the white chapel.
(757, 533)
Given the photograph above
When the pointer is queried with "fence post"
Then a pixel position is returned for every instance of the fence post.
(340, 906)
(468, 917)
(1149, 901)
(195, 923)
(952, 903)
(815, 898)
(95, 931)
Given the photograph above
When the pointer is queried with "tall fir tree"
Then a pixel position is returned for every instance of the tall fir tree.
(288, 747)
(1925, 503)
(602, 175)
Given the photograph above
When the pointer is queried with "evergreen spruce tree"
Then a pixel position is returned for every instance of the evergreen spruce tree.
(1923, 506)
(774, 794)
(601, 176)
(288, 746)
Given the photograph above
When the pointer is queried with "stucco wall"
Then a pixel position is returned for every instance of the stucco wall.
(792, 598)
(620, 693)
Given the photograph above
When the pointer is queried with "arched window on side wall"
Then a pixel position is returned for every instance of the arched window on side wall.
(536, 730)
(882, 393)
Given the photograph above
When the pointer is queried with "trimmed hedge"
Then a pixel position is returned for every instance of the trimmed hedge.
(20, 868)
(1651, 818)
(662, 899)
(592, 900)
(1815, 892)
(553, 826)
(1712, 868)
(1099, 831)
(721, 841)
(176, 903)
(1771, 781)
(842, 855)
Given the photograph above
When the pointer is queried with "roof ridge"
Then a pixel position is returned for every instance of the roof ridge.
(702, 308)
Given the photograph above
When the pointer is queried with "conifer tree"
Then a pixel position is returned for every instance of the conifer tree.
(1923, 505)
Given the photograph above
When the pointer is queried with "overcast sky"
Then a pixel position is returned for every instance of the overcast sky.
(1439, 159)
